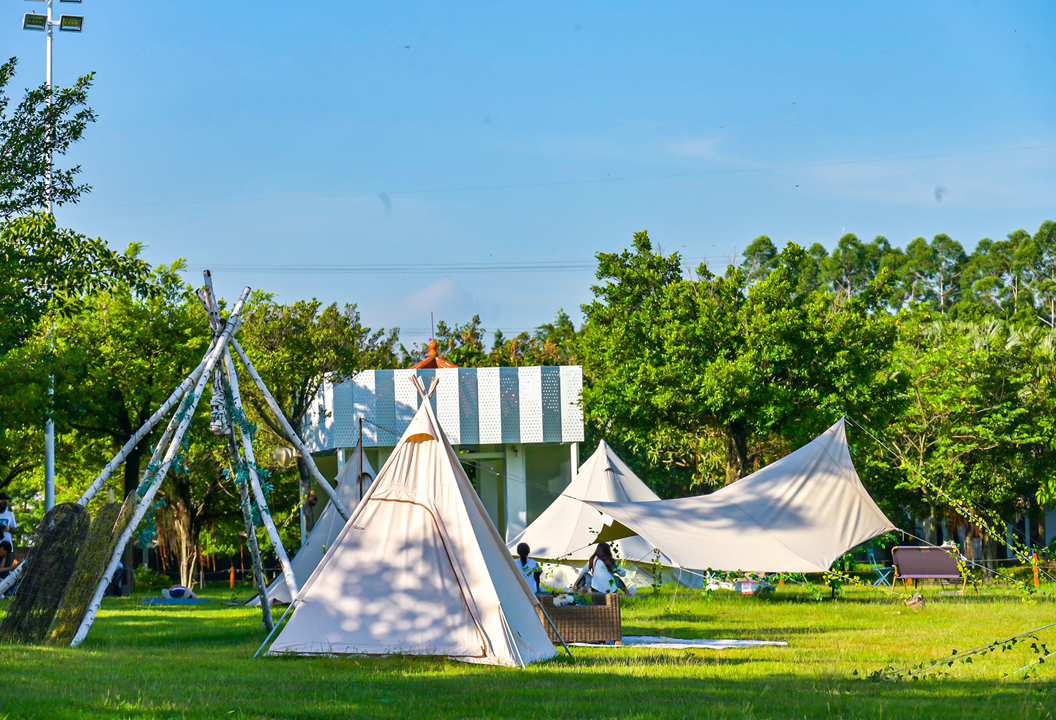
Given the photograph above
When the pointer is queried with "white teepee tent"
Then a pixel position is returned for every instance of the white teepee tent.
(326, 530)
(418, 569)
(563, 535)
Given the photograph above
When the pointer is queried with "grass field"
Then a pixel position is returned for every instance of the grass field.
(171, 662)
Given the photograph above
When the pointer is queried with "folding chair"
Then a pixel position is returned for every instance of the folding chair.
(883, 574)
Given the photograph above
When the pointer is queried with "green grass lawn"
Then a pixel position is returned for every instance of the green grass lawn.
(172, 662)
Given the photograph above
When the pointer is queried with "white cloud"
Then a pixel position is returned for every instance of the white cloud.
(697, 148)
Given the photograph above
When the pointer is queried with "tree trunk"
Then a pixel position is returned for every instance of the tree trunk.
(128, 558)
(306, 487)
(188, 540)
(736, 452)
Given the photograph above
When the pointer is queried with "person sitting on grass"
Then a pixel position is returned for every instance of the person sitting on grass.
(7, 559)
(601, 574)
(528, 567)
(178, 592)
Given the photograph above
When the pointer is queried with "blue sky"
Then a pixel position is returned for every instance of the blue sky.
(271, 133)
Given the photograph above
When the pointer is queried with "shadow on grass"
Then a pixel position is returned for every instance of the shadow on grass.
(677, 687)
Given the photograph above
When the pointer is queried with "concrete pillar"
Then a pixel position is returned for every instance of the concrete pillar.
(516, 490)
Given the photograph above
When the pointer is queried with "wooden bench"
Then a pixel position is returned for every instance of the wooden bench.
(926, 563)
(599, 622)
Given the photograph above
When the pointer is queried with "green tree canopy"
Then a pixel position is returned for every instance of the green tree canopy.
(28, 132)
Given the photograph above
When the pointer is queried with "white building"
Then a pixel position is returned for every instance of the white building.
(517, 429)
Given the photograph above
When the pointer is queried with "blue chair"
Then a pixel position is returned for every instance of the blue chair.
(883, 574)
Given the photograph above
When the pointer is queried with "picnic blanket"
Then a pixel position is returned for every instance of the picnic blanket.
(174, 601)
(666, 643)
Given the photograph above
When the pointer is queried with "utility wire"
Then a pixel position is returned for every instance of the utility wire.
(419, 268)
(591, 181)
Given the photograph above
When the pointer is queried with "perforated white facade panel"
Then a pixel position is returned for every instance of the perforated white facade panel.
(447, 406)
(406, 399)
(571, 409)
(489, 399)
(531, 400)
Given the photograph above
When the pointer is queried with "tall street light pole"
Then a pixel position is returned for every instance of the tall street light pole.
(49, 426)
(70, 23)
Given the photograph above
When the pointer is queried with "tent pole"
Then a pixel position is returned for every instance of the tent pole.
(677, 583)
(359, 449)
(556, 632)
(274, 628)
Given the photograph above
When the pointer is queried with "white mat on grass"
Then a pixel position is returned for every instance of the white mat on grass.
(666, 643)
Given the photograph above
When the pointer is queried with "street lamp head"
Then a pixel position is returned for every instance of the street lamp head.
(35, 21)
(71, 23)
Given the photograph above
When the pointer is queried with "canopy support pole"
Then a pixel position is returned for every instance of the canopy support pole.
(556, 632)
(274, 628)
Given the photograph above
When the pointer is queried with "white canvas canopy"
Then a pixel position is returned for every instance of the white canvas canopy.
(418, 569)
(326, 530)
(564, 534)
(798, 514)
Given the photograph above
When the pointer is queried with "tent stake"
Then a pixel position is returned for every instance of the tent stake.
(274, 627)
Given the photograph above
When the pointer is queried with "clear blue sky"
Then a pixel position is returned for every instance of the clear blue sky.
(266, 132)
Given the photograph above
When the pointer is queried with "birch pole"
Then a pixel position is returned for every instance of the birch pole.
(208, 299)
(147, 428)
(251, 537)
(254, 480)
(155, 476)
(293, 437)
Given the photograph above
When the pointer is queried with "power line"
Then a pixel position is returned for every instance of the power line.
(590, 181)
(420, 268)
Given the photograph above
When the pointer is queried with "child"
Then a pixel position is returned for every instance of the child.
(7, 519)
(7, 559)
(529, 568)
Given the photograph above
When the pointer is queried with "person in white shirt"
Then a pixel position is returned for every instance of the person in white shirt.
(603, 572)
(528, 567)
(7, 519)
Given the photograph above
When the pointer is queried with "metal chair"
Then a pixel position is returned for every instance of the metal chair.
(883, 574)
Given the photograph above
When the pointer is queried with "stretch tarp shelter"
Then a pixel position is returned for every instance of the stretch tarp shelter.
(798, 514)
(565, 532)
(419, 569)
(325, 531)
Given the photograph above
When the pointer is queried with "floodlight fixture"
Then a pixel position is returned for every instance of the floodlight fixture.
(35, 21)
(71, 23)
(76, 1)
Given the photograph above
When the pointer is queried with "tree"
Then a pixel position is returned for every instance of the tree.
(760, 259)
(298, 347)
(724, 364)
(47, 269)
(31, 135)
(974, 423)
(122, 355)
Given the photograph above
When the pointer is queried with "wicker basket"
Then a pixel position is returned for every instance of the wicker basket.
(599, 622)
